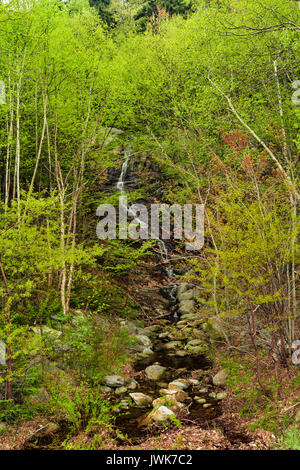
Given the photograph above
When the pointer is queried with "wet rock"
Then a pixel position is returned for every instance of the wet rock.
(186, 307)
(155, 372)
(114, 381)
(140, 399)
(220, 378)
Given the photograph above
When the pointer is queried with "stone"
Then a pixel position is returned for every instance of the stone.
(189, 317)
(120, 390)
(220, 396)
(171, 345)
(180, 396)
(207, 405)
(187, 295)
(166, 401)
(114, 381)
(50, 428)
(183, 288)
(181, 353)
(132, 385)
(220, 378)
(199, 400)
(155, 372)
(297, 416)
(140, 399)
(215, 327)
(177, 385)
(104, 389)
(212, 395)
(162, 414)
(144, 340)
(193, 381)
(194, 342)
(186, 306)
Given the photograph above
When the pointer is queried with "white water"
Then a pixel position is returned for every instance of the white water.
(163, 251)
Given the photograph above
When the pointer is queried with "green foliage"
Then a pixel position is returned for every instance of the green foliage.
(290, 439)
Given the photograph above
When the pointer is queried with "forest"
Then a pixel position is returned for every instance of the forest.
(112, 108)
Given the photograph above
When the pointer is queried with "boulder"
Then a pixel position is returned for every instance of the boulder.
(186, 306)
(220, 378)
(155, 372)
(140, 399)
(161, 414)
(114, 381)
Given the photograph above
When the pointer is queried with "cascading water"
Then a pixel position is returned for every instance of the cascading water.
(163, 251)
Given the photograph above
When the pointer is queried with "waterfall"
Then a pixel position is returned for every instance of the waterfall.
(163, 251)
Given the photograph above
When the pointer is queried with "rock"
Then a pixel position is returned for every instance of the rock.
(207, 405)
(114, 381)
(125, 404)
(2, 426)
(166, 401)
(155, 372)
(215, 327)
(120, 390)
(183, 288)
(195, 350)
(221, 396)
(193, 381)
(129, 326)
(297, 416)
(181, 353)
(151, 330)
(187, 295)
(178, 385)
(144, 340)
(220, 378)
(203, 390)
(199, 400)
(132, 385)
(189, 317)
(104, 389)
(50, 428)
(161, 415)
(180, 396)
(140, 399)
(194, 342)
(171, 345)
(212, 395)
(186, 306)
